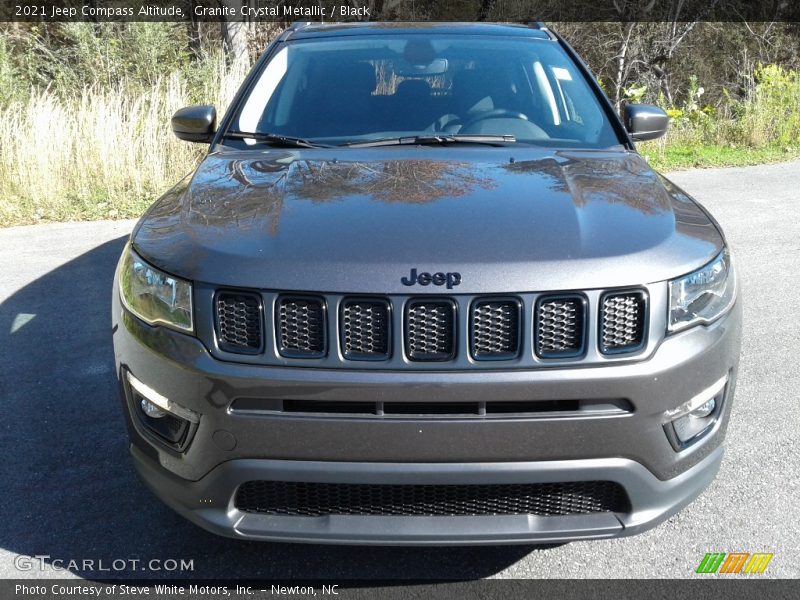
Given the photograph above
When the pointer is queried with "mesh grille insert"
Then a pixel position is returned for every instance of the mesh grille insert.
(239, 322)
(365, 329)
(622, 322)
(430, 330)
(560, 326)
(301, 327)
(495, 329)
(289, 498)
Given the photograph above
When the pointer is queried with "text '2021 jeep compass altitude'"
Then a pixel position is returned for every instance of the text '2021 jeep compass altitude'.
(423, 290)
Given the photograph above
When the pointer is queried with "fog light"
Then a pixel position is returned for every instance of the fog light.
(168, 421)
(705, 410)
(690, 427)
(151, 410)
(691, 420)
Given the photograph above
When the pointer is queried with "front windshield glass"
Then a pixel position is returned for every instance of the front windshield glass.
(356, 89)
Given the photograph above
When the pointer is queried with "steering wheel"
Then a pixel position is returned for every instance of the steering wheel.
(497, 113)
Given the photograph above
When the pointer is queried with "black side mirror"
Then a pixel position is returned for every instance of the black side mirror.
(195, 123)
(645, 121)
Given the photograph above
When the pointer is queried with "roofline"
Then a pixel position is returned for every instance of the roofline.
(298, 27)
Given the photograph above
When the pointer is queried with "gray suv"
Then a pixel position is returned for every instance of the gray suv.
(423, 290)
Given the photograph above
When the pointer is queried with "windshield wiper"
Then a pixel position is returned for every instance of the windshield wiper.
(434, 139)
(274, 139)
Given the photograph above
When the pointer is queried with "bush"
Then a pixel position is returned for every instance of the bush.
(100, 152)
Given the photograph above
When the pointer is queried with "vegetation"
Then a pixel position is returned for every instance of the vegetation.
(85, 108)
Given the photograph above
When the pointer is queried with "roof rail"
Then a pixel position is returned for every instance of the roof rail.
(542, 26)
(537, 25)
(299, 25)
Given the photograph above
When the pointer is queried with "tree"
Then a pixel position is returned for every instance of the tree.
(234, 31)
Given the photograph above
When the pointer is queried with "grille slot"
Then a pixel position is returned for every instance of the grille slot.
(430, 330)
(560, 326)
(239, 322)
(365, 329)
(305, 499)
(623, 316)
(432, 409)
(495, 329)
(301, 327)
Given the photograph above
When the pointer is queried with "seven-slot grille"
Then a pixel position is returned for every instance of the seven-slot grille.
(307, 499)
(239, 322)
(560, 326)
(430, 326)
(622, 321)
(365, 329)
(495, 329)
(301, 326)
(430, 329)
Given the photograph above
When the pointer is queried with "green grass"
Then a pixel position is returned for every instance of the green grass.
(690, 156)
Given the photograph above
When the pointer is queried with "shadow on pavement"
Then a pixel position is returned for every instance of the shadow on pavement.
(71, 492)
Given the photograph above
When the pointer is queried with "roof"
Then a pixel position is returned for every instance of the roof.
(307, 30)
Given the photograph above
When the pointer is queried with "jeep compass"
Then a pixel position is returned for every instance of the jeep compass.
(422, 289)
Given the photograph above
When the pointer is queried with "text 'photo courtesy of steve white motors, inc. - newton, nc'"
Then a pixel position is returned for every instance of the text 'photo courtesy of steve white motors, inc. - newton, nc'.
(110, 590)
(181, 11)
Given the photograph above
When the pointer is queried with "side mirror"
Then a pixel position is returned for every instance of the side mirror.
(645, 121)
(195, 123)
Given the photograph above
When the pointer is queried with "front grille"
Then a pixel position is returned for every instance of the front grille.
(430, 330)
(365, 329)
(622, 322)
(239, 322)
(526, 330)
(305, 499)
(560, 326)
(301, 326)
(495, 329)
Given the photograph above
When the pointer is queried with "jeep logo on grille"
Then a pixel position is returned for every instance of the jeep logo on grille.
(451, 280)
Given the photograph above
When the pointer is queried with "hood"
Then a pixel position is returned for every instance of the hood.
(358, 220)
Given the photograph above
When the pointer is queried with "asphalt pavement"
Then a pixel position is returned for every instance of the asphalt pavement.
(70, 492)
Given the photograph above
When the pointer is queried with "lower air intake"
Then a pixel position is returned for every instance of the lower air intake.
(291, 498)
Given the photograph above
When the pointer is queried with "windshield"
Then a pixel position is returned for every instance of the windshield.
(357, 89)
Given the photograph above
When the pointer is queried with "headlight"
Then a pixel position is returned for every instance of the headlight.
(703, 295)
(155, 296)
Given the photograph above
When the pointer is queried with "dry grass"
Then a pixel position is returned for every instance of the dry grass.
(109, 152)
(100, 153)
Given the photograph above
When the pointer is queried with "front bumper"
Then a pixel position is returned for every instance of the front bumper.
(208, 502)
(228, 447)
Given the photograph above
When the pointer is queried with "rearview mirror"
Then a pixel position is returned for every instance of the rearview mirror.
(436, 67)
(195, 123)
(645, 121)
